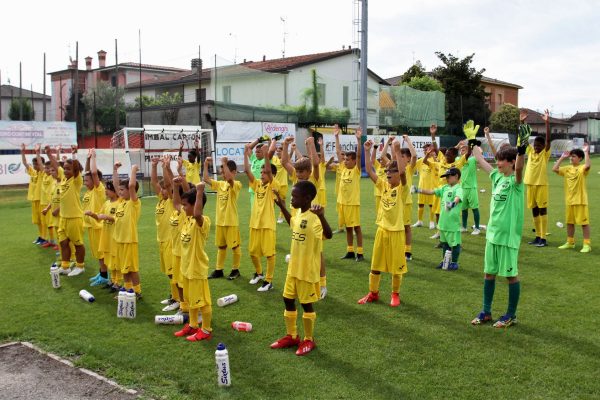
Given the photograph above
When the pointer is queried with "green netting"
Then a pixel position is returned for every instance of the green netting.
(412, 108)
(593, 130)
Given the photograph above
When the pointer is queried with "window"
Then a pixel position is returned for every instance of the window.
(113, 81)
(499, 99)
(321, 93)
(345, 95)
(200, 94)
(226, 94)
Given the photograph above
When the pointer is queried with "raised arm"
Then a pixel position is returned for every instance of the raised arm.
(228, 174)
(546, 118)
(396, 148)
(386, 145)
(586, 152)
(486, 132)
(480, 160)
(368, 161)
(338, 147)
(38, 156)
(132, 182)
(312, 154)
(285, 156)
(116, 174)
(358, 146)
(154, 175)
(94, 168)
(411, 148)
(88, 161)
(519, 165)
(556, 166)
(23, 158)
(321, 150)
(176, 196)
(199, 206)
(205, 175)
(184, 184)
(180, 149)
(247, 170)
(432, 132)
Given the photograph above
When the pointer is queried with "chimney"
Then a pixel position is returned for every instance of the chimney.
(264, 58)
(88, 63)
(101, 59)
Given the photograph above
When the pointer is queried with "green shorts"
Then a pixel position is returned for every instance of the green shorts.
(470, 198)
(501, 260)
(451, 237)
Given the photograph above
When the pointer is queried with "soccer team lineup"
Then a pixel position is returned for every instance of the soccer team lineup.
(71, 198)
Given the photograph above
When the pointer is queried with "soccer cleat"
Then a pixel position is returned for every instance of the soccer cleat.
(43, 243)
(285, 342)
(186, 331)
(266, 286)
(417, 224)
(481, 318)
(305, 347)
(431, 225)
(349, 256)
(408, 256)
(475, 232)
(534, 241)
(37, 241)
(360, 257)
(217, 273)
(138, 296)
(505, 321)
(234, 274)
(435, 236)
(167, 300)
(76, 271)
(483, 227)
(395, 301)
(369, 298)
(541, 243)
(99, 281)
(171, 307)
(47, 244)
(55, 247)
(323, 292)
(586, 248)
(199, 335)
(93, 278)
(256, 278)
(567, 246)
(463, 229)
(440, 265)
(438, 245)
(114, 288)
(452, 266)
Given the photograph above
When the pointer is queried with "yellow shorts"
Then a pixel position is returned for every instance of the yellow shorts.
(228, 236)
(407, 214)
(425, 199)
(578, 215)
(94, 236)
(322, 197)
(46, 219)
(35, 212)
(305, 292)
(537, 196)
(113, 265)
(436, 205)
(128, 259)
(349, 216)
(55, 219)
(196, 293)
(262, 242)
(176, 270)
(165, 257)
(107, 257)
(388, 252)
(71, 229)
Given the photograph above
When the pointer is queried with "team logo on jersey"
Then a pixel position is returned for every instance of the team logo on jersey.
(303, 223)
(223, 196)
(185, 237)
(261, 195)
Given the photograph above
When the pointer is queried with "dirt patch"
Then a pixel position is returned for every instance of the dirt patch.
(26, 373)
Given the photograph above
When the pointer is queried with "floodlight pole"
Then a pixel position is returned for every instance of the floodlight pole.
(363, 69)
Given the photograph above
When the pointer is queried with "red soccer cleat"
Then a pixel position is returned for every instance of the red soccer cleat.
(369, 298)
(47, 244)
(305, 347)
(186, 331)
(285, 342)
(55, 247)
(395, 301)
(199, 335)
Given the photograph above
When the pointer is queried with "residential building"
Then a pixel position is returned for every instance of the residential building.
(587, 124)
(559, 128)
(9, 92)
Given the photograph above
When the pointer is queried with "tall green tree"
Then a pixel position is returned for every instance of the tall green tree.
(101, 110)
(417, 70)
(425, 83)
(14, 111)
(465, 94)
(506, 119)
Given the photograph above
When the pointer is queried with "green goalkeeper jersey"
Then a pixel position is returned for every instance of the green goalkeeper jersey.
(449, 219)
(506, 211)
(468, 177)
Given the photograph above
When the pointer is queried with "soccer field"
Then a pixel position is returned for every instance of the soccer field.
(426, 348)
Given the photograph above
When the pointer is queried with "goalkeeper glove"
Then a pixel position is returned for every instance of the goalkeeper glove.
(523, 138)
(470, 129)
(264, 138)
(450, 205)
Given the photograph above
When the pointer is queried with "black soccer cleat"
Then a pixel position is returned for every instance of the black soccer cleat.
(349, 256)
(217, 273)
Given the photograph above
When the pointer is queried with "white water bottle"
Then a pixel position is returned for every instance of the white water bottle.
(241, 326)
(55, 276)
(130, 304)
(222, 360)
(176, 319)
(227, 300)
(447, 259)
(121, 300)
(87, 296)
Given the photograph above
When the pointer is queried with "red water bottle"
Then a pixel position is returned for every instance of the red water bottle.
(241, 326)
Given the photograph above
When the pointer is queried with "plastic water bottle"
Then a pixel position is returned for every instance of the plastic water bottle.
(55, 276)
(130, 304)
(447, 259)
(222, 360)
(287, 258)
(227, 300)
(176, 319)
(121, 300)
(241, 326)
(87, 296)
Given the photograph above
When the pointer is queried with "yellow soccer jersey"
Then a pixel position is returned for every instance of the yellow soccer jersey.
(70, 201)
(575, 184)
(55, 199)
(380, 171)
(536, 171)
(176, 222)
(338, 176)
(106, 235)
(282, 175)
(390, 216)
(263, 211)
(33, 177)
(162, 215)
(349, 192)
(426, 175)
(306, 247)
(192, 171)
(322, 170)
(93, 200)
(406, 194)
(126, 220)
(311, 179)
(442, 166)
(194, 261)
(227, 202)
(46, 190)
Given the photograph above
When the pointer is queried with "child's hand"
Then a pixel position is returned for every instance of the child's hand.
(294, 146)
(309, 140)
(288, 140)
(277, 197)
(433, 129)
(134, 169)
(223, 160)
(45, 211)
(88, 213)
(200, 187)
(318, 210)
(154, 161)
(565, 154)
(181, 146)
(73, 148)
(89, 153)
(208, 160)
(586, 148)
(117, 165)
(358, 133)
(396, 145)
(56, 212)
(522, 116)
(37, 148)
(22, 147)
(368, 145)
(486, 130)
(546, 115)
(320, 141)
(101, 217)
(391, 138)
(336, 130)
(178, 180)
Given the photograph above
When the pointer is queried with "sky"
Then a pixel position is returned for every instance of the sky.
(552, 49)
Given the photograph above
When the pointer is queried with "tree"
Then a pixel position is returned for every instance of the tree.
(101, 110)
(465, 95)
(424, 83)
(14, 112)
(70, 110)
(417, 70)
(506, 119)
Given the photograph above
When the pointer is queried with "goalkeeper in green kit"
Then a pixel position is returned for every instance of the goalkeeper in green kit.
(469, 181)
(505, 227)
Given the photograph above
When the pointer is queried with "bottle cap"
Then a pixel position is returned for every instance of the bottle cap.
(130, 291)
(122, 289)
(220, 346)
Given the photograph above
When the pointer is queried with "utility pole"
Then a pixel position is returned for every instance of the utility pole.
(141, 102)
(44, 100)
(363, 67)
(76, 86)
(20, 93)
(117, 119)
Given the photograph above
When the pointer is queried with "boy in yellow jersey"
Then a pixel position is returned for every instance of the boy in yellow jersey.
(322, 187)
(52, 210)
(48, 186)
(93, 201)
(38, 193)
(162, 213)
(194, 265)
(192, 164)
(425, 182)
(309, 228)
(349, 196)
(281, 177)
(126, 230)
(409, 159)
(576, 198)
(262, 220)
(388, 249)
(332, 165)
(227, 219)
(536, 179)
(71, 213)
(32, 170)
(379, 167)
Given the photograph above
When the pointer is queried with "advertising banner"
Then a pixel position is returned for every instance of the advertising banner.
(14, 133)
